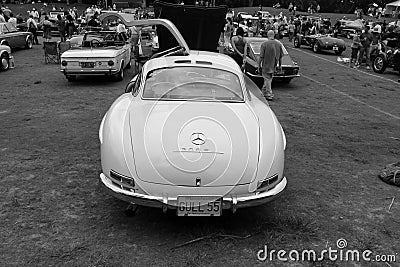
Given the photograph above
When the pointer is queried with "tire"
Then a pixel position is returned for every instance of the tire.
(296, 42)
(286, 80)
(120, 75)
(339, 52)
(71, 78)
(379, 64)
(316, 47)
(29, 43)
(4, 62)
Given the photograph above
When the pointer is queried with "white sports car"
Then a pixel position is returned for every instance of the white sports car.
(194, 134)
(97, 53)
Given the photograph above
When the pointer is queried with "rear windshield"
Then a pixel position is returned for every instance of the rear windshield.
(192, 83)
(256, 47)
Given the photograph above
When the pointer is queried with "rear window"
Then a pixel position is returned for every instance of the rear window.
(192, 83)
(256, 47)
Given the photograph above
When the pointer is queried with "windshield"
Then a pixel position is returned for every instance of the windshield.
(256, 47)
(192, 83)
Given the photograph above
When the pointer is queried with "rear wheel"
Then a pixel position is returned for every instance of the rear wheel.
(4, 62)
(379, 64)
(29, 43)
(120, 75)
(287, 80)
(339, 51)
(71, 78)
(316, 47)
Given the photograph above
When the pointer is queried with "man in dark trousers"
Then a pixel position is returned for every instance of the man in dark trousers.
(270, 59)
(366, 39)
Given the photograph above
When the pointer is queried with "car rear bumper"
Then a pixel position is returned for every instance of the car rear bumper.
(275, 76)
(231, 202)
(89, 72)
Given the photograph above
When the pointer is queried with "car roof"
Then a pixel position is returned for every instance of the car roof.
(198, 58)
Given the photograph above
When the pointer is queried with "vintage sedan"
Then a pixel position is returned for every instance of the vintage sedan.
(290, 69)
(100, 53)
(319, 42)
(10, 36)
(192, 133)
(6, 59)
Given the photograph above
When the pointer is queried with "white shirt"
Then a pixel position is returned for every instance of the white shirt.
(29, 22)
(121, 28)
(13, 21)
(378, 28)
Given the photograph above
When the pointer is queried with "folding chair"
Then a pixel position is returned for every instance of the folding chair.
(62, 47)
(50, 52)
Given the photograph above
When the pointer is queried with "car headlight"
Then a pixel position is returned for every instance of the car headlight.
(64, 63)
(110, 63)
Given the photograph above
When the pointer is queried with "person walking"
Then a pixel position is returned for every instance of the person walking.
(61, 27)
(70, 25)
(270, 59)
(366, 39)
(291, 30)
(32, 27)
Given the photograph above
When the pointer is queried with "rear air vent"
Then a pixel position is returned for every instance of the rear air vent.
(204, 62)
(183, 61)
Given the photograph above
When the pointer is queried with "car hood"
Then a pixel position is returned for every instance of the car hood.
(87, 52)
(200, 26)
(177, 142)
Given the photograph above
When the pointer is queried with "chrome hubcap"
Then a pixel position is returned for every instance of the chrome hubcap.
(378, 63)
(4, 63)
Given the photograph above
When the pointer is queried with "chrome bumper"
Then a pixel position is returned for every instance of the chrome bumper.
(275, 76)
(228, 202)
(89, 72)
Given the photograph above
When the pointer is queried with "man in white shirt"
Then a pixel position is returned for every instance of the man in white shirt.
(13, 20)
(121, 30)
(32, 27)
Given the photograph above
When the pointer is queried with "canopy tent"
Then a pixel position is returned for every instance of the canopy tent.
(394, 6)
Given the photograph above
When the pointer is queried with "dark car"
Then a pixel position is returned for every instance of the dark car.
(319, 42)
(290, 69)
(386, 55)
(9, 35)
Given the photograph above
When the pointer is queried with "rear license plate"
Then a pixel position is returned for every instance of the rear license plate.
(87, 64)
(335, 48)
(199, 206)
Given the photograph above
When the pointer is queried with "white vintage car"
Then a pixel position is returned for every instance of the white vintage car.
(6, 59)
(99, 53)
(192, 133)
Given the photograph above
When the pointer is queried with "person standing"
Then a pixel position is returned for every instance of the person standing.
(366, 39)
(355, 48)
(46, 25)
(238, 44)
(228, 31)
(70, 25)
(121, 31)
(291, 29)
(13, 20)
(32, 27)
(61, 27)
(270, 59)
